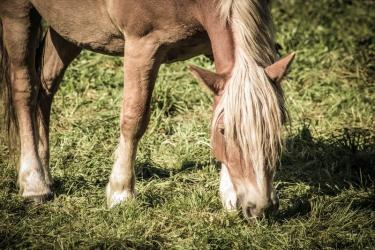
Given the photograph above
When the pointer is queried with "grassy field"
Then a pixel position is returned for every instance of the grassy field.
(326, 182)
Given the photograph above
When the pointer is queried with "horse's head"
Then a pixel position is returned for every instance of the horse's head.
(256, 195)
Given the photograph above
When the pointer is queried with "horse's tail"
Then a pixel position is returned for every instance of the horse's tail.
(9, 123)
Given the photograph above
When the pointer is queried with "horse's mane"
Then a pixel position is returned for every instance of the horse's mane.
(253, 106)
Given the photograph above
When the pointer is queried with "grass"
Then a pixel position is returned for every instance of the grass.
(326, 182)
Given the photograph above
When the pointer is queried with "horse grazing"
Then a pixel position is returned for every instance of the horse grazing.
(248, 99)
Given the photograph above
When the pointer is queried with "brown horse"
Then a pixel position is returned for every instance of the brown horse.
(248, 100)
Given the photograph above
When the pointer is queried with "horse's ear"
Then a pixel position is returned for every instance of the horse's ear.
(277, 71)
(210, 79)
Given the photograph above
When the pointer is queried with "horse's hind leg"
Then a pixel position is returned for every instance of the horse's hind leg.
(55, 56)
(20, 31)
(140, 69)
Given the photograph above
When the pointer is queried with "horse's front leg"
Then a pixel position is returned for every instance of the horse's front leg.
(142, 60)
(56, 55)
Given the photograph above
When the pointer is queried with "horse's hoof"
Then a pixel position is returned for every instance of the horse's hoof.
(116, 198)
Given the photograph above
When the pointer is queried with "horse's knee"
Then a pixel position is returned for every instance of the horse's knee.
(133, 126)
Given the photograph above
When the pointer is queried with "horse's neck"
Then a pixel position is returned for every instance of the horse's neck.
(221, 37)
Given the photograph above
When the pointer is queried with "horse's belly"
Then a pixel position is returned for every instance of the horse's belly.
(85, 23)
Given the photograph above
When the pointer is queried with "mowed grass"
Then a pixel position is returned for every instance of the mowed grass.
(326, 181)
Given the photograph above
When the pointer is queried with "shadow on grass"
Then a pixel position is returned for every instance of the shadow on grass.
(145, 171)
(149, 170)
(68, 185)
(192, 165)
(342, 160)
(328, 166)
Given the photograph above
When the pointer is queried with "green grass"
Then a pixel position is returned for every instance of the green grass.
(326, 182)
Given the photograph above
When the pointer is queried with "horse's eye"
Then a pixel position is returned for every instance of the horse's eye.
(221, 130)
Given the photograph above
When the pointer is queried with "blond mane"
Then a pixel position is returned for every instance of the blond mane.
(253, 106)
